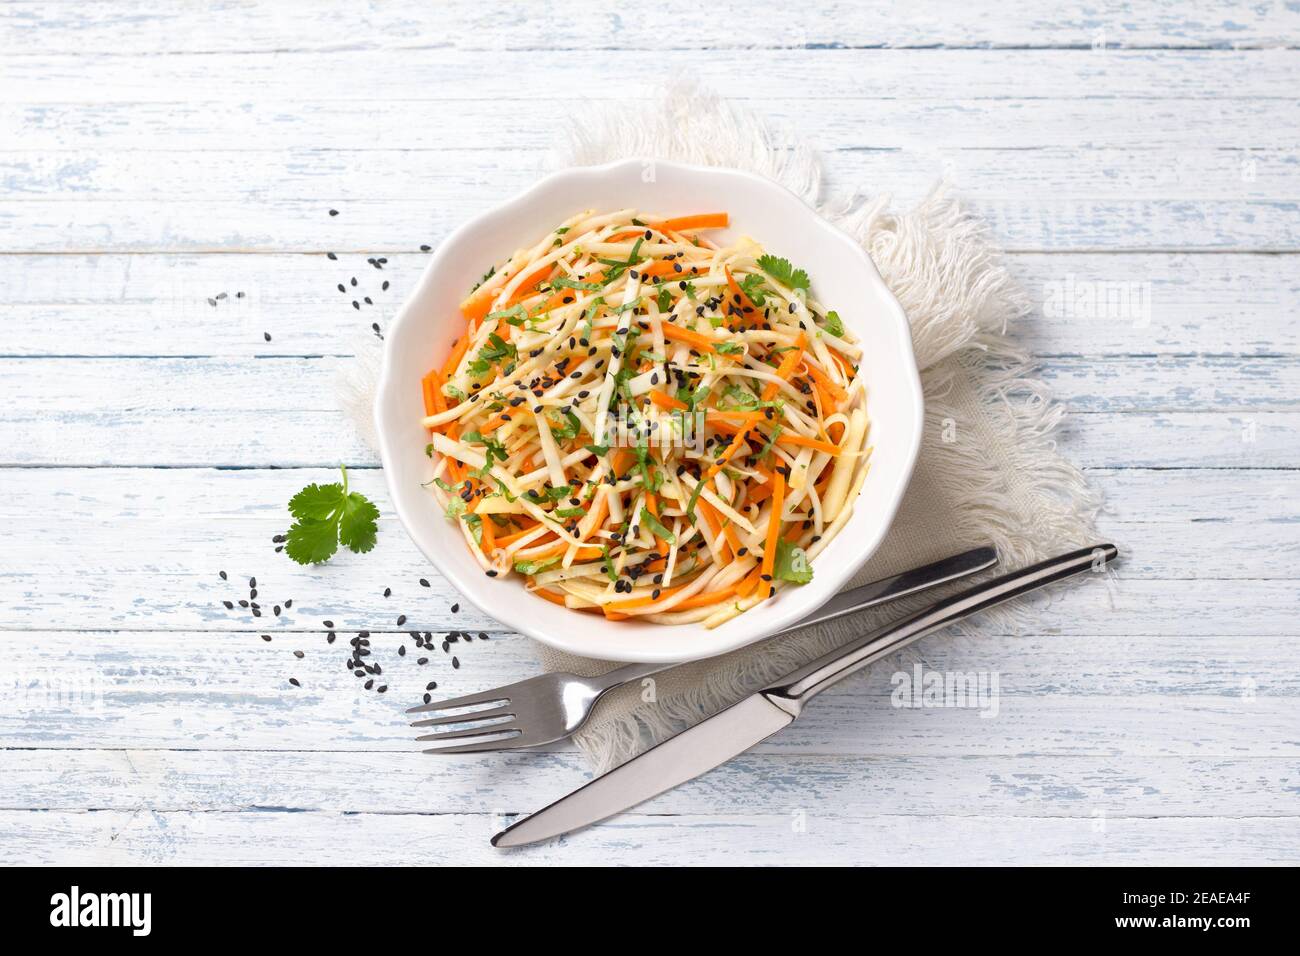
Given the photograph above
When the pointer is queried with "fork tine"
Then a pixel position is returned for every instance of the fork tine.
(486, 746)
(479, 731)
(505, 710)
(501, 694)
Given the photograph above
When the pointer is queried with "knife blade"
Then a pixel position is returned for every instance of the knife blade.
(900, 585)
(714, 741)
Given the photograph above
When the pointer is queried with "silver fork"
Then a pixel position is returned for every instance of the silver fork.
(550, 707)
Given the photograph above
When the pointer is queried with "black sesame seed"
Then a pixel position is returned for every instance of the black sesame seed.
(334, 212)
(330, 255)
(381, 688)
(266, 637)
(329, 624)
(230, 605)
(369, 684)
(388, 592)
(424, 582)
(299, 654)
(330, 637)
(455, 663)
(426, 248)
(428, 698)
(267, 336)
(276, 610)
(401, 619)
(223, 575)
(422, 661)
(252, 582)
(294, 682)
(455, 608)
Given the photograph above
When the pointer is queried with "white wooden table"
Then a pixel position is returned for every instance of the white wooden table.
(156, 156)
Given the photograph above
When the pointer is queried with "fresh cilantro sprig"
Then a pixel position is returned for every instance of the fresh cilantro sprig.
(791, 563)
(328, 515)
(783, 272)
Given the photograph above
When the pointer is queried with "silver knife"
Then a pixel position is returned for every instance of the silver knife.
(717, 739)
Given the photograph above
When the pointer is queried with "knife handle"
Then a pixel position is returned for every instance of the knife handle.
(796, 689)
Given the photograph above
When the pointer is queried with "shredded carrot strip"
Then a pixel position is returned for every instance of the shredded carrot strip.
(705, 599)
(826, 382)
(671, 267)
(530, 283)
(805, 442)
(552, 596)
(773, 524)
(664, 400)
(631, 603)
(707, 220)
(677, 333)
(509, 539)
(429, 385)
(478, 304)
(457, 353)
(747, 585)
(744, 302)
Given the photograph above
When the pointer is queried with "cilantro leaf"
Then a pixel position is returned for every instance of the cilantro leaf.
(656, 526)
(358, 525)
(534, 567)
(327, 515)
(309, 541)
(752, 286)
(791, 563)
(316, 502)
(783, 272)
(607, 563)
(834, 325)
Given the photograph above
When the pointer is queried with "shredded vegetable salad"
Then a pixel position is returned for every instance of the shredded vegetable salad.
(642, 424)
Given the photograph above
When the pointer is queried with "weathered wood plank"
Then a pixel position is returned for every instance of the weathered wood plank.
(457, 74)
(386, 227)
(1068, 693)
(289, 225)
(1086, 304)
(1050, 199)
(127, 28)
(1029, 785)
(799, 836)
(1051, 178)
(313, 125)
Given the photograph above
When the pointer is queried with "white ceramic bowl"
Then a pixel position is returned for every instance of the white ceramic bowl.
(843, 277)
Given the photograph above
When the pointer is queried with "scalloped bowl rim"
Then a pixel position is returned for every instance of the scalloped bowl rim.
(397, 406)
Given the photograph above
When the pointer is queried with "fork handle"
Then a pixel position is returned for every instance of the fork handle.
(798, 688)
